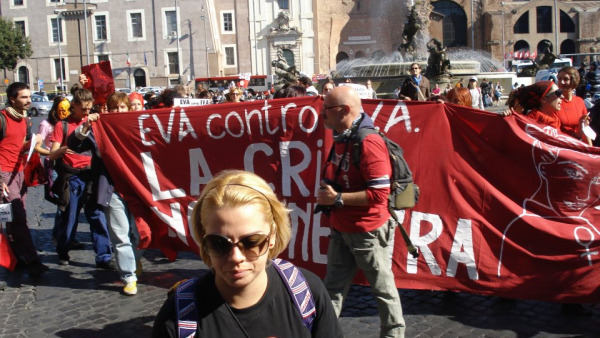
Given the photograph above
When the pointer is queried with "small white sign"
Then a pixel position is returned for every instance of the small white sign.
(360, 89)
(182, 102)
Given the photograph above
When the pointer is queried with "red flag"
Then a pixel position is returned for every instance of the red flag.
(100, 80)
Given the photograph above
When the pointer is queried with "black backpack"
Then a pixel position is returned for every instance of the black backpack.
(404, 193)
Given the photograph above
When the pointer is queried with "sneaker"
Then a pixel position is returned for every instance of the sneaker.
(63, 262)
(36, 269)
(108, 265)
(2, 285)
(130, 289)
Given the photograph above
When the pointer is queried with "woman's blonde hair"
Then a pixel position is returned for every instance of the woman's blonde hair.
(237, 188)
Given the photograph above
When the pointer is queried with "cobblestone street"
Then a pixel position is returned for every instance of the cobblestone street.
(80, 301)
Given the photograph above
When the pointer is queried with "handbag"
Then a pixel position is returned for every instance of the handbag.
(7, 257)
(34, 172)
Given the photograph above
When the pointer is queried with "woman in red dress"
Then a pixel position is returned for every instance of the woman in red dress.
(573, 112)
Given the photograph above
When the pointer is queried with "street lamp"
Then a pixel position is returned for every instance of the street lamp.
(203, 18)
(58, 13)
(177, 37)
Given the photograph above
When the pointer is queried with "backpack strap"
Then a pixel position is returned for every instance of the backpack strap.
(65, 126)
(2, 126)
(186, 308)
(298, 289)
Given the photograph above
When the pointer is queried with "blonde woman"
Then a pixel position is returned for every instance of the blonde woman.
(241, 226)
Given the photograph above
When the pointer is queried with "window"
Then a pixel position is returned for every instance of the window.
(103, 57)
(230, 59)
(454, 24)
(284, 4)
(57, 70)
(57, 30)
(173, 60)
(522, 25)
(100, 22)
(227, 22)
(137, 30)
(544, 21)
(17, 4)
(21, 26)
(288, 55)
(170, 22)
(566, 23)
(54, 2)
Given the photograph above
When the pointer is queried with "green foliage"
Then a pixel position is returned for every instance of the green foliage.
(13, 45)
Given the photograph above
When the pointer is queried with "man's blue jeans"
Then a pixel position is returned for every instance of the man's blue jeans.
(66, 223)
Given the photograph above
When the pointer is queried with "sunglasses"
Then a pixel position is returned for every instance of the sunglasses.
(252, 246)
(557, 92)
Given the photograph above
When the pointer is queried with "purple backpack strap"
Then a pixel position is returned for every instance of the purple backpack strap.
(298, 289)
(186, 308)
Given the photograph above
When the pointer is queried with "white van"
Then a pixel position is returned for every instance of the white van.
(552, 71)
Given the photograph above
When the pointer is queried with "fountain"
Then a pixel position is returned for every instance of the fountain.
(443, 65)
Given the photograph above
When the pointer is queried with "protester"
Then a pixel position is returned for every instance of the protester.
(436, 90)
(497, 93)
(240, 226)
(306, 82)
(486, 92)
(290, 91)
(71, 186)
(416, 86)
(327, 86)
(166, 99)
(371, 92)
(234, 95)
(361, 225)
(137, 101)
(149, 97)
(573, 111)
(121, 224)
(539, 101)
(460, 96)
(476, 96)
(45, 131)
(13, 152)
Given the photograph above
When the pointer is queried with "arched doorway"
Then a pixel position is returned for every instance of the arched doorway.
(23, 75)
(454, 23)
(341, 56)
(567, 47)
(139, 78)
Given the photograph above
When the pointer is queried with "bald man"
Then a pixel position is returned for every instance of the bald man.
(357, 197)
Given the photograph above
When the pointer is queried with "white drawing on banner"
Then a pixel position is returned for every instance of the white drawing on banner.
(559, 179)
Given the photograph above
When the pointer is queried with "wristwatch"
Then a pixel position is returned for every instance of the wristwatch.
(338, 201)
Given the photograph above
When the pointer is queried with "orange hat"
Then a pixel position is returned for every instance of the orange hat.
(63, 109)
(136, 96)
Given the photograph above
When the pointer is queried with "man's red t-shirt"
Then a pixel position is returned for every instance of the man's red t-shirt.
(12, 158)
(373, 176)
(73, 160)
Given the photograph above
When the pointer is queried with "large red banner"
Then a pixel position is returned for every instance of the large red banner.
(507, 207)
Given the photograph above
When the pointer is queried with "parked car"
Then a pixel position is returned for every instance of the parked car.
(124, 90)
(155, 90)
(39, 105)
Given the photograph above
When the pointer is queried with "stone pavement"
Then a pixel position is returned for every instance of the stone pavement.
(80, 301)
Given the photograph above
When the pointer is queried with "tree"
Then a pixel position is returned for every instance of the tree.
(13, 45)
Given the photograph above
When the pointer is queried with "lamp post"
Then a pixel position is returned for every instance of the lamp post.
(58, 13)
(472, 27)
(177, 37)
(203, 18)
(503, 37)
(556, 27)
(87, 48)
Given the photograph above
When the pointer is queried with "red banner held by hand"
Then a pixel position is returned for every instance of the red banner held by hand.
(507, 207)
